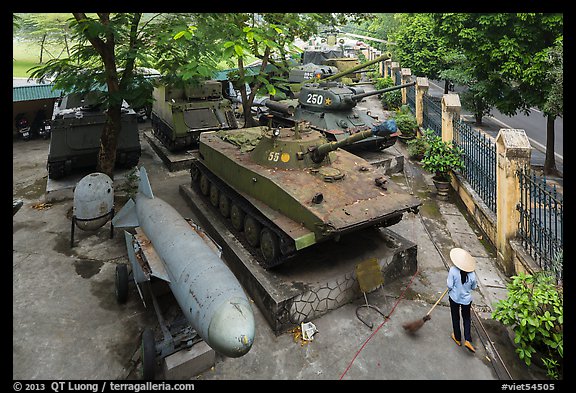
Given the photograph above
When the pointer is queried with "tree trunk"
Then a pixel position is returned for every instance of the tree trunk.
(445, 86)
(550, 161)
(478, 118)
(108, 141)
(42, 47)
(66, 45)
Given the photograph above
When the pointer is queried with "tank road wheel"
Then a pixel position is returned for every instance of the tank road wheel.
(252, 230)
(148, 355)
(194, 174)
(269, 245)
(214, 195)
(224, 205)
(237, 217)
(204, 185)
(121, 281)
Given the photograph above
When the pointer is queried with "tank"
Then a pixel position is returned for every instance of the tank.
(77, 125)
(343, 64)
(281, 190)
(330, 107)
(307, 71)
(180, 115)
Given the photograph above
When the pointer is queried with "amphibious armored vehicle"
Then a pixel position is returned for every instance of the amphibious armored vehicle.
(77, 125)
(179, 115)
(281, 190)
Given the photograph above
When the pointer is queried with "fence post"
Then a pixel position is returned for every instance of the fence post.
(421, 90)
(393, 68)
(387, 64)
(405, 73)
(450, 111)
(513, 151)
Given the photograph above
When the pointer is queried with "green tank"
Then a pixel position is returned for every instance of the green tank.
(180, 115)
(343, 64)
(77, 124)
(330, 107)
(281, 190)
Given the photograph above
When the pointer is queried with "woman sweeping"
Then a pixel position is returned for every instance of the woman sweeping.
(461, 282)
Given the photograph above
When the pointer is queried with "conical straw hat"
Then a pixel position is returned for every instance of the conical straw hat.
(462, 259)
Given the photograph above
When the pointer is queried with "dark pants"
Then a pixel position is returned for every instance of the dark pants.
(455, 311)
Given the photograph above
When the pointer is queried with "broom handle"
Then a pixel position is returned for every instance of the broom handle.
(438, 301)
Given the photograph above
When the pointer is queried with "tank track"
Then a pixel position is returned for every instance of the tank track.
(287, 247)
(165, 134)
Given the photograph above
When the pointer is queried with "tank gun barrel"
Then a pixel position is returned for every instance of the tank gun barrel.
(358, 97)
(384, 129)
(280, 107)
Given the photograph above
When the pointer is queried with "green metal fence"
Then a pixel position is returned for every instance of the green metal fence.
(432, 114)
(541, 227)
(479, 161)
(411, 97)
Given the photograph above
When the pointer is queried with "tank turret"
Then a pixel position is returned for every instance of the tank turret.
(350, 70)
(334, 96)
(281, 190)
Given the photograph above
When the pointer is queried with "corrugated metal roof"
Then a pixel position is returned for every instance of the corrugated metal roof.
(34, 92)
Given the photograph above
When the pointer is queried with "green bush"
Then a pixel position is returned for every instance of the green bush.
(406, 123)
(441, 157)
(417, 147)
(391, 100)
(534, 309)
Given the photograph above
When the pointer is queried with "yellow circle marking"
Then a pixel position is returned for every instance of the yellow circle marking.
(285, 157)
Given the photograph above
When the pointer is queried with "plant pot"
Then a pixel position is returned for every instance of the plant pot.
(406, 137)
(442, 187)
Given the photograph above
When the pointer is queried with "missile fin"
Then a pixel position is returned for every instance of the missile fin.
(144, 186)
(126, 217)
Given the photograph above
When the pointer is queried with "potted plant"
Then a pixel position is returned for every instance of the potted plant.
(440, 159)
(406, 123)
(417, 147)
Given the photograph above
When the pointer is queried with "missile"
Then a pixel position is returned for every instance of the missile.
(210, 296)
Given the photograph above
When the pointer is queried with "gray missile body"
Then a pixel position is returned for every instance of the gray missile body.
(208, 293)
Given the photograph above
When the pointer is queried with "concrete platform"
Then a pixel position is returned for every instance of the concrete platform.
(188, 363)
(390, 159)
(317, 281)
(174, 161)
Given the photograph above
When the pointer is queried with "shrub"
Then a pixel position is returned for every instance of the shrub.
(534, 309)
(406, 123)
(417, 147)
(441, 157)
(391, 100)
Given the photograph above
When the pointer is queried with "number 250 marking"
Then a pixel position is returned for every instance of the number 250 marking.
(314, 99)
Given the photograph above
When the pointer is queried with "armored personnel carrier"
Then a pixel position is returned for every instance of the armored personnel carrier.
(77, 124)
(179, 115)
(281, 190)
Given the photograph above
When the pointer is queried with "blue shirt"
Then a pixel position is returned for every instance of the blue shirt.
(458, 292)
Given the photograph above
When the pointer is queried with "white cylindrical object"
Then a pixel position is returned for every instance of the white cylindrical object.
(93, 198)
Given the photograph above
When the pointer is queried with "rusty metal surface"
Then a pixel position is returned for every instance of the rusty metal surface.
(355, 200)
